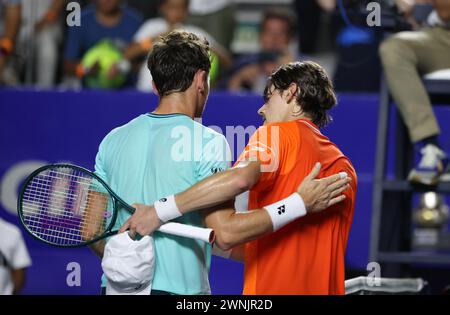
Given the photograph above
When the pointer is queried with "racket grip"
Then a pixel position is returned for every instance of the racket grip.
(184, 230)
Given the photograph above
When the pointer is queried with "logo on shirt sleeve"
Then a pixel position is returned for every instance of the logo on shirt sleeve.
(215, 170)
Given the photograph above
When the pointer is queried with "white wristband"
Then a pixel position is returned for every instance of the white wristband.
(286, 211)
(167, 209)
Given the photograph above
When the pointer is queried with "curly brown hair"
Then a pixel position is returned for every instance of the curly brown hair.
(175, 59)
(315, 93)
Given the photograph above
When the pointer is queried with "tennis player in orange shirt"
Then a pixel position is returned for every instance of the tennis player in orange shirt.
(301, 251)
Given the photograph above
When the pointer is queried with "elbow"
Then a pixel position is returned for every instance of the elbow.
(244, 180)
(225, 241)
(242, 184)
(226, 238)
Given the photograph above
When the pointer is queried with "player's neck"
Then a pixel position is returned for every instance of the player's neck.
(175, 104)
(294, 117)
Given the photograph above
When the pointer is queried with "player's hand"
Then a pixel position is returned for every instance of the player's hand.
(319, 194)
(143, 222)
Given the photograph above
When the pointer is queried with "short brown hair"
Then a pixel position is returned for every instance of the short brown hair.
(175, 59)
(315, 93)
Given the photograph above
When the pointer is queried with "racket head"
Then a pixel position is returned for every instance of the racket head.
(55, 206)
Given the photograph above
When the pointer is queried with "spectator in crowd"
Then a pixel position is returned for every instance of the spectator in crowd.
(216, 17)
(276, 48)
(9, 28)
(148, 9)
(173, 16)
(405, 57)
(309, 20)
(41, 31)
(106, 20)
(14, 259)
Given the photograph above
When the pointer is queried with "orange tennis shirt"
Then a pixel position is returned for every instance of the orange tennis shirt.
(307, 255)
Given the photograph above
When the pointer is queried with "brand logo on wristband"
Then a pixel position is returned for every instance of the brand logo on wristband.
(163, 199)
(281, 209)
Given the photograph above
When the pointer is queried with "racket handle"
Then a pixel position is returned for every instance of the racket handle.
(184, 230)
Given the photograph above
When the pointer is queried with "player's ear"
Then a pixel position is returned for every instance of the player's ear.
(290, 93)
(154, 88)
(200, 79)
(293, 88)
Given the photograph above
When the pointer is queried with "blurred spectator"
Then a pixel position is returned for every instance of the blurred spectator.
(277, 47)
(9, 28)
(147, 8)
(309, 15)
(173, 16)
(39, 39)
(216, 17)
(107, 21)
(14, 259)
(405, 57)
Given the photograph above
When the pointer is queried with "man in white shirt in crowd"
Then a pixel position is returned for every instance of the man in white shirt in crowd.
(216, 17)
(173, 16)
(14, 259)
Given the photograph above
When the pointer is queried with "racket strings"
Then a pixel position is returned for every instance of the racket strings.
(63, 206)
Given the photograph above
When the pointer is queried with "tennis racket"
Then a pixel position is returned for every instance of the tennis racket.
(69, 206)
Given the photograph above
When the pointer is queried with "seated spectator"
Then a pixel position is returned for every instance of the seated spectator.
(14, 259)
(41, 27)
(405, 57)
(173, 16)
(148, 9)
(216, 17)
(9, 28)
(276, 48)
(309, 15)
(106, 20)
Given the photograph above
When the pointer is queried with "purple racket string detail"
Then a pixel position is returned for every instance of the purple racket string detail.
(65, 206)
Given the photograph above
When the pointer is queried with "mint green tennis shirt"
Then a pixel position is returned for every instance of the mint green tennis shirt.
(154, 156)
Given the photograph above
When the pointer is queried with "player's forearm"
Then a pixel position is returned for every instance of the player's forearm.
(240, 228)
(217, 188)
(233, 228)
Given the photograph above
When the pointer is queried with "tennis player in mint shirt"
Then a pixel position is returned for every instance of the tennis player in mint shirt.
(155, 155)
(165, 152)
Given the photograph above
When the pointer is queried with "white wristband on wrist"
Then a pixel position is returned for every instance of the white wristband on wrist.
(167, 209)
(286, 211)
